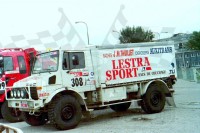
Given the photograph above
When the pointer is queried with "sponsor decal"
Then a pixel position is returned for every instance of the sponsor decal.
(44, 94)
(91, 73)
(141, 52)
(158, 72)
(160, 50)
(80, 74)
(127, 68)
(76, 74)
(172, 70)
(24, 104)
(119, 53)
(85, 73)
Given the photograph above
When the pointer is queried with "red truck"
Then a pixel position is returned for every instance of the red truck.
(15, 64)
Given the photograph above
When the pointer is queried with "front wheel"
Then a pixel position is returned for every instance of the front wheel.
(120, 107)
(36, 119)
(10, 114)
(154, 100)
(65, 112)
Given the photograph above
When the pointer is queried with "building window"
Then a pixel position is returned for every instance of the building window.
(187, 65)
(179, 55)
(186, 55)
(180, 45)
(198, 54)
(193, 55)
(193, 63)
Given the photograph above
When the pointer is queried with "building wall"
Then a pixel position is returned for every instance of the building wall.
(188, 59)
(187, 62)
(188, 65)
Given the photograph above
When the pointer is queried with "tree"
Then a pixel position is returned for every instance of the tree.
(194, 41)
(135, 34)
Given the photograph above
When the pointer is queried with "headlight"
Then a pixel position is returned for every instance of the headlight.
(22, 93)
(14, 93)
(18, 93)
(11, 93)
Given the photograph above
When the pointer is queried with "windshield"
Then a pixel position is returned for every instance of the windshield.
(6, 64)
(46, 62)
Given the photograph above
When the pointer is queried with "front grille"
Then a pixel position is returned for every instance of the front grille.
(25, 91)
(34, 94)
(17, 93)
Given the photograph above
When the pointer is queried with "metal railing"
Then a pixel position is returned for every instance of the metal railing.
(8, 129)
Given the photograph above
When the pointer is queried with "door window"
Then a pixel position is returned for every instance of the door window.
(22, 65)
(73, 60)
(77, 60)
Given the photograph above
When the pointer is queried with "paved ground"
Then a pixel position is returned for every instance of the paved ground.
(185, 118)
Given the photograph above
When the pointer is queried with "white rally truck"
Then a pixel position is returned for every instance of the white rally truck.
(65, 84)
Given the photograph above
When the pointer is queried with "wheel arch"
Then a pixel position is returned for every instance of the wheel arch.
(158, 82)
(63, 92)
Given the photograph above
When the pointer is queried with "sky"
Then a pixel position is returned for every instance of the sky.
(163, 17)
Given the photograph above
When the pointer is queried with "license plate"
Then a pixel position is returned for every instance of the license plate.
(24, 104)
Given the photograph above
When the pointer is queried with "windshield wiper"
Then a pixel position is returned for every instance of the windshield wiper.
(48, 70)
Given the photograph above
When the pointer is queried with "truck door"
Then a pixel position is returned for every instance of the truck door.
(76, 75)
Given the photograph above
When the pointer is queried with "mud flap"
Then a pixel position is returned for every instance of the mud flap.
(170, 101)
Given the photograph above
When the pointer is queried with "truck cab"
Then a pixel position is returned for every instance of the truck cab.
(16, 64)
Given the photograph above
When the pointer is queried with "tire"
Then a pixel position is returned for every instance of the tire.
(65, 112)
(154, 100)
(35, 120)
(10, 114)
(120, 107)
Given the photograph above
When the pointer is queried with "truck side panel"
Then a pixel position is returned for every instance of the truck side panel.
(123, 65)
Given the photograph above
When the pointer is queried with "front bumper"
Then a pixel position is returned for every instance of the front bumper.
(25, 104)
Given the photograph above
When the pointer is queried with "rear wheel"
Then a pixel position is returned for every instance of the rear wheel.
(10, 114)
(154, 100)
(65, 112)
(35, 120)
(120, 107)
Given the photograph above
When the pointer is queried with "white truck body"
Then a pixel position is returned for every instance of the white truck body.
(138, 63)
(96, 76)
